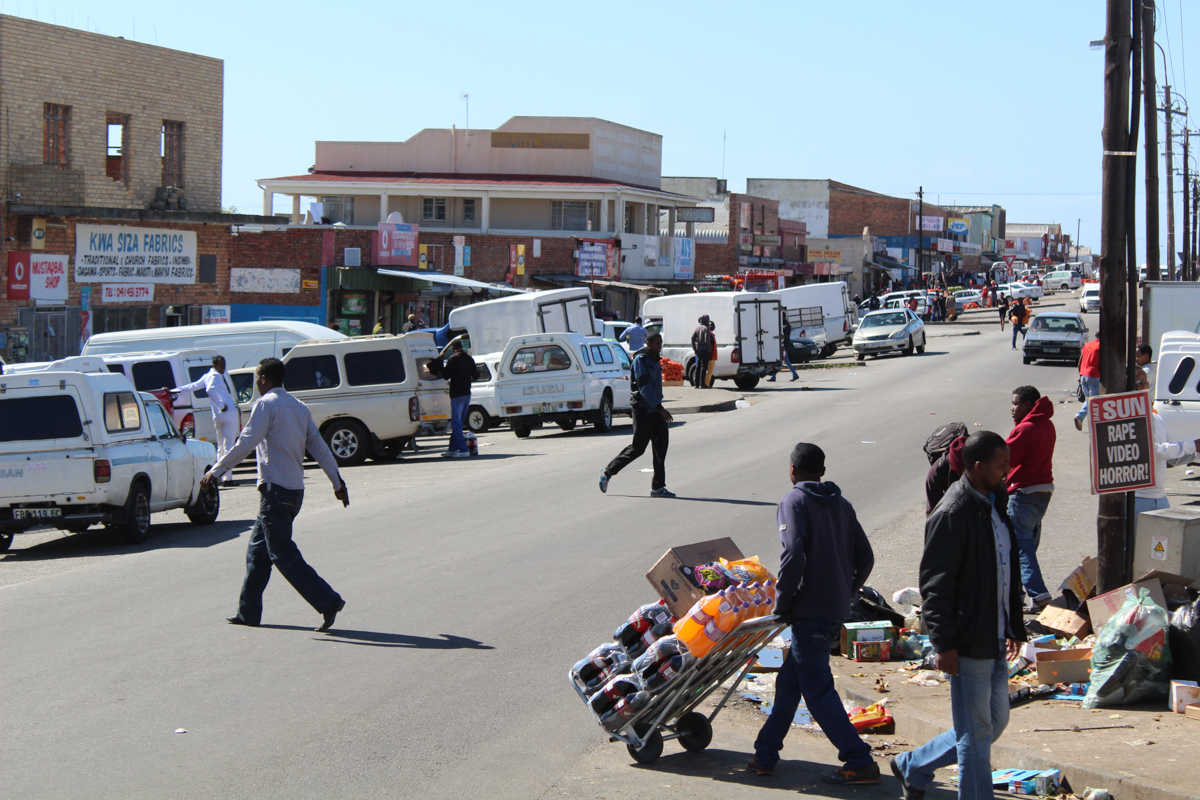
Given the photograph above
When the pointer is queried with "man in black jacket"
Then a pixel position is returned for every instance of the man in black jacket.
(702, 339)
(971, 585)
(826, 560)
(459, 371)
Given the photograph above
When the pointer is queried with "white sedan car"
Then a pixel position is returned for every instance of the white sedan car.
(965, 296)
(888, 331)
(1017, 291)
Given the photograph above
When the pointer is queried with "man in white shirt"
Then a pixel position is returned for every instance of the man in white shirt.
(1165, 450)
(219, 388)
(280, 429)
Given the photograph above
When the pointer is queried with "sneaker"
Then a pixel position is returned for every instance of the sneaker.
(845, 776)
(1039, 602)
(909, 792)
(753, 766)
(1078, 424)
(461, 454)
(603, 481)
(663, 492)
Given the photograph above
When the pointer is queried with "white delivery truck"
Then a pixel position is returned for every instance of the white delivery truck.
(1177, 386)
(490, 325)
(841, 315)
(1170, 306)
(243, 344)
(748, 329)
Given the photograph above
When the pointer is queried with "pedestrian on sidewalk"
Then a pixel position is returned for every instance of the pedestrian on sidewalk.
(787, 360)
(280, 429)
(972, 613)
(1002, 306)
(702, 340)
(943, 472)
(650, 419)
(635, 334)
(712, 362)
(826, 560)
(1165, 450)
(1089, 377)
(225, 414)
(1018, 312)
(459, 371)
(1030, 483)
(1145, 360)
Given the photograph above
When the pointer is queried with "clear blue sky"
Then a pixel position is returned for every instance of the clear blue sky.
(977, 102)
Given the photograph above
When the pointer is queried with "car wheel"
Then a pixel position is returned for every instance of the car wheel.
(908, 351)
(521, 431)
(566, 424)
(746, 382)
(348, 441)
(828, 350)
(921, 348)
(689, 373)
(860, 357)
(602, 418)
(387, 451)
(477, 419)
(206, 508)
(135, 528)
(5, 541)
(1028, 360)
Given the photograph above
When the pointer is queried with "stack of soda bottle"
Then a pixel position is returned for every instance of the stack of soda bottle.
(621, 676)
(715, 615)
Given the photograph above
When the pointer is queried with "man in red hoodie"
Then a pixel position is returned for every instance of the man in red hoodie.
(1030, 482)
(1089, 377)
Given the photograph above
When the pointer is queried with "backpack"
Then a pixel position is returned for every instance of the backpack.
(938, 443)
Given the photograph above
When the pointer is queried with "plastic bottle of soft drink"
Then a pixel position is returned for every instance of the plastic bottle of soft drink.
(700, 613)
(640, 621)
(612, 692)
(649, 637)
(667, 671)
(587, 668)
(713, 631)
(770, 587)
(625, 708)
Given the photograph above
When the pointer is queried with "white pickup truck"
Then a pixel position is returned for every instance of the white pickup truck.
(79, 449)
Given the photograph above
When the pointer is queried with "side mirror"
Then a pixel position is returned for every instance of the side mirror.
(187, 433)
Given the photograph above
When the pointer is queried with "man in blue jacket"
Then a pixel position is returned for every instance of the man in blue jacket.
(826, 560)
(650, 419)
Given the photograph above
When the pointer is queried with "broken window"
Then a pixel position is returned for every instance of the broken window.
(172, 154)
(56, 140)
(116, 163)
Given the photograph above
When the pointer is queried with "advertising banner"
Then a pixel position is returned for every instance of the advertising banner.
(520, 259)
(127, 293)
(48, 278)
(85, 315)
(397, 245)
(120, 254)
(18, 275)
(593, 260)
(460, 246)
(958, 226)
(1122, 442)
(684, 259)
(215, 315)
(931, 223)
(666, 256)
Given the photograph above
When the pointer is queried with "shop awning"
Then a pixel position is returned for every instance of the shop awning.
(452, 280)
(578, 280)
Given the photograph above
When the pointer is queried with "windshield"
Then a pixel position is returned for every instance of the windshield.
(880, 320)
(1057, 325)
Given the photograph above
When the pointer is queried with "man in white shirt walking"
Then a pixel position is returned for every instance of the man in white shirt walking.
(219, 388)
(280, 429)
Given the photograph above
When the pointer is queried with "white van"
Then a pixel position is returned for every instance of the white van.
(243, 344)
(841, 315)
(1089, 298)
(1177, 384)
(1063, 280)
(369, 395)
(491, 324)
(749, 329)
(562, 378)
(190, 411)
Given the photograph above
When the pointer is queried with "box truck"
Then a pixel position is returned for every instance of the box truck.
(491, 324)
(841, 315)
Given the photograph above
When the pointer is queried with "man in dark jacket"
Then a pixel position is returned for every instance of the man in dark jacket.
(1031, 482)
(826, 560)
(972, 612)
(942, 474)
(702, 341)
(459, 371)
(650, 419)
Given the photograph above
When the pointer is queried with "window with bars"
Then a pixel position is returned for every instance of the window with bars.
(434, 209)
(172, 154)
(572, 215)
(56, 141)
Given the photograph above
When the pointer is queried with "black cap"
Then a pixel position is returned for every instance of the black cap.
(808, 458)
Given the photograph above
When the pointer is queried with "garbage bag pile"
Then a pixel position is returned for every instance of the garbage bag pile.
(1131, 660)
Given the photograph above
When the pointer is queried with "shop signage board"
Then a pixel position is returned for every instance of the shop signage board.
(121, 254)
(1122, 442)
(48, 278)
(957, 226)
(746, 241)
(397, 244)
(697, 214)
(593, 260)
(85, 315)
(18, 275)
(767, 240)
(216, 315)
(684, 258)
(825, 255)
(931, 223)
(945, 245)
(127, 293)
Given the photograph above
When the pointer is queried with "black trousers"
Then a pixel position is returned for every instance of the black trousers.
(701, 369)
(649, 427)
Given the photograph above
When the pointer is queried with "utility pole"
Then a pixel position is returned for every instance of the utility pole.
(1185, 268)
(1195, 214)
(1110, 519)
(1150, 97)
(920, 226)
(1170, 185)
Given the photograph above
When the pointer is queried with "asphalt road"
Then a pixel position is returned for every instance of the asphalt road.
(471, 588)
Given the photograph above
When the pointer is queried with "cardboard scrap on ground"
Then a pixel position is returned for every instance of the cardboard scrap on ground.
(1059, 618)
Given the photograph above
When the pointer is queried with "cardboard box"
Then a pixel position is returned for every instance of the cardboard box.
(1065, 666)
(668, 579)
(1060, 619)
(872, 651)
(1184, 694)
(1102, 607)
(1192, 711)
(1081, 582)
(867, 632)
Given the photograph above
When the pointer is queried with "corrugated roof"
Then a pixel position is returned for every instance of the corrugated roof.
(1031, 229)
(715, 232)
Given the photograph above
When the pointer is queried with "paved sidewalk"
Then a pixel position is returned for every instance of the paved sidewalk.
(689, 400)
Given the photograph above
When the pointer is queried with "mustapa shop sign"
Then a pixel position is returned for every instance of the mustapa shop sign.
(1122, 442)
(120, 254)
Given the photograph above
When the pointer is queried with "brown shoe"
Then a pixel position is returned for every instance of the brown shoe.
(764, 771)
(852, 777)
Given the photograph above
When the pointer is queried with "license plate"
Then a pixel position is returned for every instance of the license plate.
(547, 408)
(36, 513)
(1052, 349)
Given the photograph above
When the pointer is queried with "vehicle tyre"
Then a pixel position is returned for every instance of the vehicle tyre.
(908, 351)
(567, 424)
(602, 418)
(920, 348)
(653, 748)
(521, 430)
(1027, 360)
(135, 528)
(477, 419)
(860, 357)
(387, 451)
(689, 373)
(349, 442)
(828, 350)
(746, 382)
(206, 508)
(695, 731)
(5, 541)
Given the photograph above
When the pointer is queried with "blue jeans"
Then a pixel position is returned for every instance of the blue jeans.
(1091, 388)
(1017, 329)
(1026, 512)
(805, 672)
(458, 418)
(271, 543)
(788, 361)
(979, 708)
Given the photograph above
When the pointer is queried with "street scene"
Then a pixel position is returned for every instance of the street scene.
(542, 459)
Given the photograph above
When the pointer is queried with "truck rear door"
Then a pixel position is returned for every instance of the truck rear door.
(45, 447)
(759, 330)
(540, 377)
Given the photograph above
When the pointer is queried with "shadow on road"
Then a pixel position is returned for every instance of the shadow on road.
(375, 639)
(706, 500)
(103, 542)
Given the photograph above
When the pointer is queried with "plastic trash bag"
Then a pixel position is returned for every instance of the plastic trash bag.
(1184, 641)
(1131, 660)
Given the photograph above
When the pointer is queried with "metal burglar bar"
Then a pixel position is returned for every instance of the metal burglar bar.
(56, 141)
(172, 154)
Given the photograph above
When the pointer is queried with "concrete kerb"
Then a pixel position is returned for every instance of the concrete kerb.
(919, 728)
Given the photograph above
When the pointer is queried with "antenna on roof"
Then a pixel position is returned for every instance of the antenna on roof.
(467, 100)
(723, 134)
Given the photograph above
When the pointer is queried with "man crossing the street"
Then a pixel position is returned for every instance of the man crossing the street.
(650, 419)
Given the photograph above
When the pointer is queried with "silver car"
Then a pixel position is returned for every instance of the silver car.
(1055, 336)
(889, 330)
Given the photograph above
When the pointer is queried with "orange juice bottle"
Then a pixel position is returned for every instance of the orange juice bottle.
(714, 630)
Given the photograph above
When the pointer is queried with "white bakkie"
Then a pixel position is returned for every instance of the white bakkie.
(85, 448)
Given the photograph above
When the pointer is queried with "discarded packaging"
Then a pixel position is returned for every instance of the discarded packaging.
(1064, 666)
(1081, 583)
(873, 719)
(1131, 661)
(668, 579)
(1061, 619)
(1184, 694)
(1102, 607)
(867, 632)
(872, 651)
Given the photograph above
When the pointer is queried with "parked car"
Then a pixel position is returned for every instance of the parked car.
(802, 349)
(964, 298)
(1177, 384)
(190, 411)
(85, 448)
(902, 302)
(612, 329)
(1055, 336)
(1015, 291)
(887, 331)
(243, 344)
(564, 378)
(1089, 298)
(1063, 280)
(1035, 290)
(484, 412)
